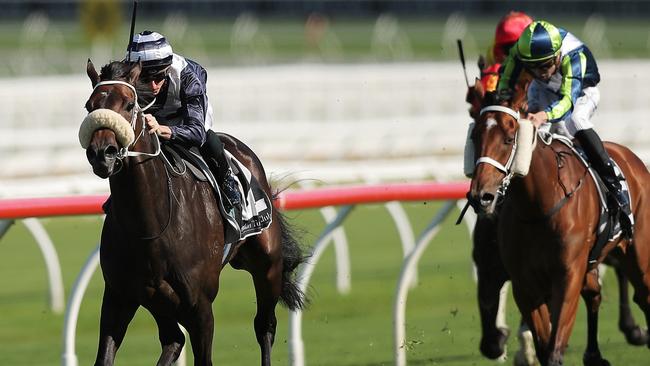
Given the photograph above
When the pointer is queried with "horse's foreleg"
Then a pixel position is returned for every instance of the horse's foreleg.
(562, 307)
(200, 326)
(493, 338)
(116, 314)
(536, 316)
(171, 337)
(592, 298)
(491, 278)
(634, 334)
(526, 355)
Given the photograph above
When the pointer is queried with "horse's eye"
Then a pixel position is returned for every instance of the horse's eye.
(129, 106)
(509, 140)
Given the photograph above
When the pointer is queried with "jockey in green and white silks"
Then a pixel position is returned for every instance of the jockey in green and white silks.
(564, 93)
(576, 76)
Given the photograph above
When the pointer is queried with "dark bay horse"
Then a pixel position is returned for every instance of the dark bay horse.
(547, 222)
(492, 274)
(162, 243)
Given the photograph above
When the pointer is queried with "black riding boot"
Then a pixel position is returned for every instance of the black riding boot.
(212, 151)
(600, 160)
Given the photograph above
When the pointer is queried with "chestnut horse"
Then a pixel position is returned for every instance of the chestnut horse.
(492, 274)
(547, 222)
(162, 244)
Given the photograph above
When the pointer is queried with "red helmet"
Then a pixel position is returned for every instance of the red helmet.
(508, 31)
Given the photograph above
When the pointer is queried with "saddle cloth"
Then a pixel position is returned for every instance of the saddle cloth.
(608, 223)
(256, 208)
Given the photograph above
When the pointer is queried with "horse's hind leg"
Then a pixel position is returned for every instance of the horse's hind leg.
(116, 314)
(634, 334)
(171, 337)
(263, 259)
(592, 297)
(636, 262)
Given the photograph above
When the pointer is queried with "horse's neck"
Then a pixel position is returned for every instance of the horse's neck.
(140, 193)
(535, 190)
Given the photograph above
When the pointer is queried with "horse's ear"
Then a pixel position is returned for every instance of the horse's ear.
(134, 73)
(92, 73)
(479, 89)
(481, 62)
(519, 101)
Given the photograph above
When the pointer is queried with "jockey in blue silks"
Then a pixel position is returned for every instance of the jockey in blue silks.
(564, 92)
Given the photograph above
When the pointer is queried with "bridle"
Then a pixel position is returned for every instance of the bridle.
(124, 152)
(137, 110)
(506, 168)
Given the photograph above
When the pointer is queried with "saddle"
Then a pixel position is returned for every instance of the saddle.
(256, 208)
(609, 227)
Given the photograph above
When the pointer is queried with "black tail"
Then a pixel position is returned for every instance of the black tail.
(292, 255)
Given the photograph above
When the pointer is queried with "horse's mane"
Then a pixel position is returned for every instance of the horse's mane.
(115, 70)
(490, 98)
(118, 70)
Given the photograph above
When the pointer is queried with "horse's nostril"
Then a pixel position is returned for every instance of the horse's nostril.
(486, 199)
(110, 151)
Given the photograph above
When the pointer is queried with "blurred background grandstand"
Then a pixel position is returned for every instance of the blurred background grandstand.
(329, 90)
(326, 92)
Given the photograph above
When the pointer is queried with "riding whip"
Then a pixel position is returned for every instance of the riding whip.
(129, 44)
(462, 59)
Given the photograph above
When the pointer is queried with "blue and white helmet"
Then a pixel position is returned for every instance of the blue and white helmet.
(150, 48)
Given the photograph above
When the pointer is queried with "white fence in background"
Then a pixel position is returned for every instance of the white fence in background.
(326, 122)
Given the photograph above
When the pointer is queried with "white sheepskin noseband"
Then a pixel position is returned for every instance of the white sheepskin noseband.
(525, 144)
(469, 161)
(106, 118)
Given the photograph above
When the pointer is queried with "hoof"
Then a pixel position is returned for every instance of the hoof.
(526, 355)
(494, 347)
(522, 360)
(594, 359)
(636, 336)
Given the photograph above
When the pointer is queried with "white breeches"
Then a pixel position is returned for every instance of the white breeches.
(539, 97)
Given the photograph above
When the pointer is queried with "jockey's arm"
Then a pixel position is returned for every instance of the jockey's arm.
(573, 69)
(510, 71)
(192, 131)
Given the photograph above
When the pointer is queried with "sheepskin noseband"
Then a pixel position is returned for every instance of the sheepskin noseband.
(525, 145)
(106, 118)
(469, 162)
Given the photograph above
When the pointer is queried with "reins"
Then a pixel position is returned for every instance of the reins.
(506, 169)
(125, 152)
(169, 216)
(567, 195)
(137, 111)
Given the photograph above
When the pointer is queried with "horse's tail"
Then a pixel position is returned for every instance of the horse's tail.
(292, 256)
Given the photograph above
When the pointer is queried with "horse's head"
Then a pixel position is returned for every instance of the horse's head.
(109, 129)
(503, 143)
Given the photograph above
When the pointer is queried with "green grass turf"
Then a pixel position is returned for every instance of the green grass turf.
(354, 329)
